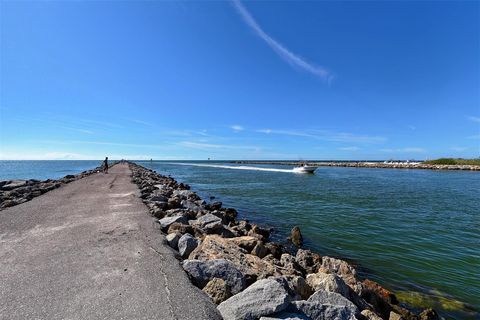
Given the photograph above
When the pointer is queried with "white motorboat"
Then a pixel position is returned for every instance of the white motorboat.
(304, 168)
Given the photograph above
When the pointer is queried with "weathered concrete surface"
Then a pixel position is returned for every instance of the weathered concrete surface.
(90, 250)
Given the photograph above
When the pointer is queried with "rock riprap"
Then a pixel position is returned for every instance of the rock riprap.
(250, 277)
(262, 298)
(13, 192)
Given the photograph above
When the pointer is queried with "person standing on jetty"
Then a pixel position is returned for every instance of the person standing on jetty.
(105, 165)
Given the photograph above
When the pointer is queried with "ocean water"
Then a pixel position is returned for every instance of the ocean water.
(42, 170)
(417, 232)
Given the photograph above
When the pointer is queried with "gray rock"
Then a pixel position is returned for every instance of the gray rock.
(186, 244)
(201, 272)
(166, 222)
(290, 265)
(262, 298)
(159, 198)
(323, 305)
(209, 223)
(187, 204)
(308, 260)
(172, 240)
(14, 184)
(328, 282)
(184, 193)
(333, 283)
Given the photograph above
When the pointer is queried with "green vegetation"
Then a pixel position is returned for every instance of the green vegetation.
(455, 161)
(434, 300)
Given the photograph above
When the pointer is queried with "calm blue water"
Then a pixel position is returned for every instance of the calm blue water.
(417, 232)
(414, 231)
(42, 170)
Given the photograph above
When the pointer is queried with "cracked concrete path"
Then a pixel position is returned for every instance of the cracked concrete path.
(90, 250)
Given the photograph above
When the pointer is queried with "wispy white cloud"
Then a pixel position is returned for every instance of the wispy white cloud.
(57, 155)
(145, 123)
(327, 135)
(78, 130)
(237, 128)
(405, 150)
(349, 148)
(282, 51)
(209, 146)
(296, 133)
(474, 119)
(474, 137)
(105, 143)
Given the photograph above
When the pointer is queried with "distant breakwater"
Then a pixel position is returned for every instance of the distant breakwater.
(366, 164)
(248, 275)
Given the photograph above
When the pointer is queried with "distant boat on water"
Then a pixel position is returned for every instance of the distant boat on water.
(304, 168)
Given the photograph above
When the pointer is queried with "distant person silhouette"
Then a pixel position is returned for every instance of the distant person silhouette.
(105, 165)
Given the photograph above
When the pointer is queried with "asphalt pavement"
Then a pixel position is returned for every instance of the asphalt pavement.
(91, 250)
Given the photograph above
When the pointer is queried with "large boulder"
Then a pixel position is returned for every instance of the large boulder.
(323, 305)
(201, 272)
(166, 222)
(190, 205)
(343, 269)
(216, 247)
(296, 236)
(328, 282)
(262, 298)
(332, 283)
(14, 184)
(172, 240)
(308, 260)
(209, 223)
(218, 290)
(185, 194)
(186, 244)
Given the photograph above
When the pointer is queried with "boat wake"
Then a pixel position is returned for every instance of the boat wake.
(234, 167)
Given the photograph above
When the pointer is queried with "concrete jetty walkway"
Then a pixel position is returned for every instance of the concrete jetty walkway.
(90, 250)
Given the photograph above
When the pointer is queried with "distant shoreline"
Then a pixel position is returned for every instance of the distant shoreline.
(369, 164)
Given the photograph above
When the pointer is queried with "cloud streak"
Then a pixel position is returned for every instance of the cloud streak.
(210, 146)
(349, 148)
(474, 119)
(327, 135)
(237, 128)
(405, 150)
(281, 50)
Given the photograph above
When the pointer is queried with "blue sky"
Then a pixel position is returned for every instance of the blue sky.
(239, 80)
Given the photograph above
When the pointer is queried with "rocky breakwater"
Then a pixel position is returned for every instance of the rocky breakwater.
(250, 277)
(13, 192)
(366, 164)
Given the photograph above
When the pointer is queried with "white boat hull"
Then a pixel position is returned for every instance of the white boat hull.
(305, 169)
